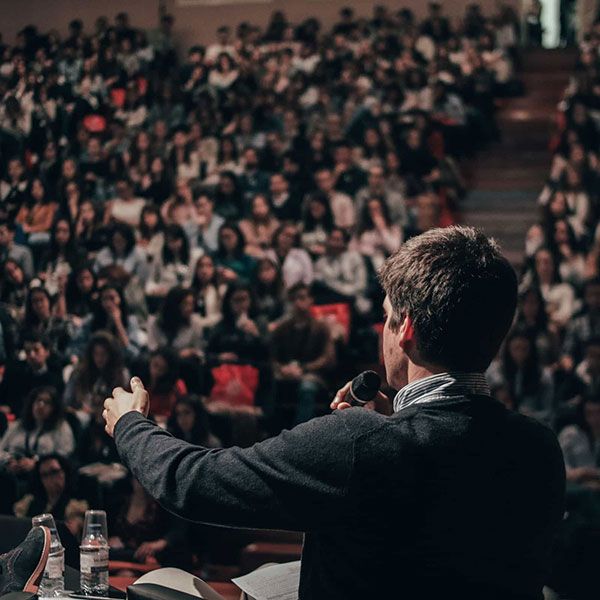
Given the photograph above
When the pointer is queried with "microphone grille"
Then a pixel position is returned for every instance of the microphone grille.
(366, 385)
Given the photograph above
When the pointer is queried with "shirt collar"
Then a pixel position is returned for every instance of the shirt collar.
(441, 387)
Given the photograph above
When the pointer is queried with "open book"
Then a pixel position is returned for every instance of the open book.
(271, 582)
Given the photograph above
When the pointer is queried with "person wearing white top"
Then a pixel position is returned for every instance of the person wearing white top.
(125, 208)
(296, 265)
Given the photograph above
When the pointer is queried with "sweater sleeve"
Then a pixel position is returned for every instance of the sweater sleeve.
(297, 481)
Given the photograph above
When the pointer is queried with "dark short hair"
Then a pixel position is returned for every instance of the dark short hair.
(458, 290)
(34, 337)
(296, 289)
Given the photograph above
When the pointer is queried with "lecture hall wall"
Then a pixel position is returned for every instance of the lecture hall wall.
(195, 22)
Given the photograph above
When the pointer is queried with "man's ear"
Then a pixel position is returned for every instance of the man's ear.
(407, 332)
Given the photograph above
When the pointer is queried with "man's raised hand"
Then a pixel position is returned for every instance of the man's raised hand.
(123, 402)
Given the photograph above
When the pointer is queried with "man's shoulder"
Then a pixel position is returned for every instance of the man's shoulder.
(360, 422)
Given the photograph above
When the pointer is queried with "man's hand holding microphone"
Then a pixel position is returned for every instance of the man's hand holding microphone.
(363, 391)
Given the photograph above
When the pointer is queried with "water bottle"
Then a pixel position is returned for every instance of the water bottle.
(53, 579)
(94, 561)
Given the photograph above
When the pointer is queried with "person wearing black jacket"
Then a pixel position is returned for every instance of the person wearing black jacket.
(451, 495)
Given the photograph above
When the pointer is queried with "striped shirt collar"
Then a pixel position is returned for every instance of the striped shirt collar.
(441, 386)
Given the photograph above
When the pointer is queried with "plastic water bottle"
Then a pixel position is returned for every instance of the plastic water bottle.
(94, 561)
(53, 579)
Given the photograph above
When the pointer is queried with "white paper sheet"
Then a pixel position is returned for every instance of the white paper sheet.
(179, 580)
(277, 582)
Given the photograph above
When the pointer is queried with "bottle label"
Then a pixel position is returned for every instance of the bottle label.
(55, 567)
(95, 562)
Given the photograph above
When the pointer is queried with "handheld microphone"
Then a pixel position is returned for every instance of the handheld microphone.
(364, 388)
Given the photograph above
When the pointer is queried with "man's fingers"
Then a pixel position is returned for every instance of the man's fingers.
(140, 395)
(340, 395)
(117, 391)
(136, 384)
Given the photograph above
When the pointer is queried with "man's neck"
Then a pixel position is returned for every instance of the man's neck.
(416, 372)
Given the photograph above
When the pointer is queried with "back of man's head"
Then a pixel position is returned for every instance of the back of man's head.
(459, 292)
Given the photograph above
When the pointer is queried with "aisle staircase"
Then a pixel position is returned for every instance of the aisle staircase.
(506, 178)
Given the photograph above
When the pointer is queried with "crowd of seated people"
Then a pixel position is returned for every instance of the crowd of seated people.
(549, 367)
(213, 224)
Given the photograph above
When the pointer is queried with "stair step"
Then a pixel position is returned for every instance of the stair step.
(507, 176)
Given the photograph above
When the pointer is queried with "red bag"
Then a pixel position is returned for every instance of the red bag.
(234, 384)
(338, 313)
(94, 123)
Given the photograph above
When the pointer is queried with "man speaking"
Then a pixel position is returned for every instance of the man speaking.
(450, 496)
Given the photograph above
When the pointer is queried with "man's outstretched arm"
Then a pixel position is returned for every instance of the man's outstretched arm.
(297, 480)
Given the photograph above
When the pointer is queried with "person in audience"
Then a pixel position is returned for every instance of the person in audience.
(125, 208)
(91, 234)
(341, 274)
(207, 291)
(316, 224)
(378, 236)
(111, 313)
(560, 298)
(36, 215)
(570, 256)
(180, 328)
(259, 227)
(173, 265)
(164, 385)
(303, 353)
(13, 288)
(62, 257)
(100, 370)
(231, 260)
(141, 529)
(189, 421)
(294, 262)
(584, 327)
(81, 292)
(22, 376)
(587, 373)
(95, 445)
(236, 338)
(377, 187)
(532, 317)
(177, 325)
(52, 492)
(530, 384)
(269, 293)
(41, 430)
(579, 442)
(39, 319)
(151, 231)
(9, 249)
(286, 205)
(342, 208)
(121, 250)
(208, 224)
